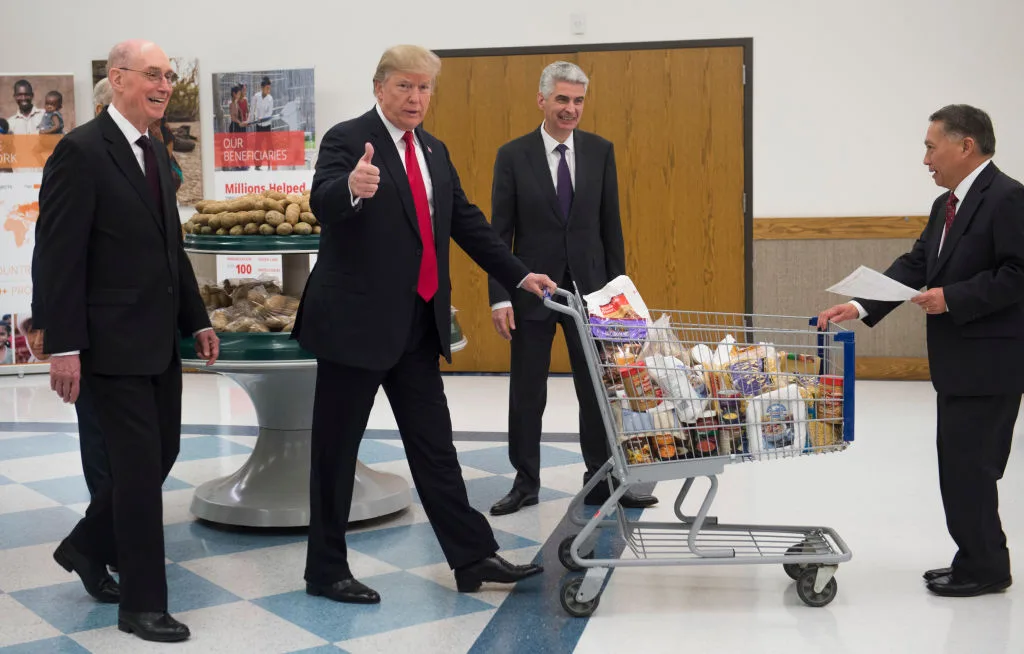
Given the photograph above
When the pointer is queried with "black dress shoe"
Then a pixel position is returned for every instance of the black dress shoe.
(493, 568)
(952, 586)
(158, 626)
(347, 590)
(512, 502)
(94, 575)
(931, 575)
(629, 499)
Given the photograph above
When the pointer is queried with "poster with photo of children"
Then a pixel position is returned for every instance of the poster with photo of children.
(179, 130)
(36, 110)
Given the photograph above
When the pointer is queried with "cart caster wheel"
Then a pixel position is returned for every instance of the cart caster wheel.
(805, 589)
(566, 559)
(571, 605)
(795, 570)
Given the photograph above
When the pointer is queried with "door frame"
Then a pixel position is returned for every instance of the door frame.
(748, 114)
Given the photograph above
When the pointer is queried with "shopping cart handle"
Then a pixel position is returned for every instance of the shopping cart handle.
(558, 306)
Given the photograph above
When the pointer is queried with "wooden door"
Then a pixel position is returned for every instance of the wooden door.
(675, 117)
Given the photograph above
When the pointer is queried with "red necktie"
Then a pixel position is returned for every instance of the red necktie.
(427, 284)
(950, 211)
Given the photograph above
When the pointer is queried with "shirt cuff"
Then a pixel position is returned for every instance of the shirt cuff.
(500, 305)
(520, 284)
(860, 309)
(204, 329)
(352, 197)
(65, 354)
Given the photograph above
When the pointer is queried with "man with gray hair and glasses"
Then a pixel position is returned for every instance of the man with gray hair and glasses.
(555, 202)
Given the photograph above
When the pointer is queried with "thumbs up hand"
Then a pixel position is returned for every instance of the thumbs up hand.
(365, 177)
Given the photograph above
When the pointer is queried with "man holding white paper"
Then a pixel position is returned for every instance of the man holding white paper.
(970, 256)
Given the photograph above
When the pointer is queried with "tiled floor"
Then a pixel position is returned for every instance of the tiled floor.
(242, 590)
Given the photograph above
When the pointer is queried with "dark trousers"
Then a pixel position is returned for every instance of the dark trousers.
(95, 465)
(140, 418)
(528, 395)
(341, 407)
(974, 436)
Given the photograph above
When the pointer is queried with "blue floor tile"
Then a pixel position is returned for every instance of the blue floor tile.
(66, 490)
(186, 541)
(376, 451)
(173, 484)
(68, 608)
(17, 448)
(209, 447)
(323, 649)
(485, 491)
(5, 480)
(60, 645)
(36, 527)
(406, 600)
(412, 546)
(495, 459)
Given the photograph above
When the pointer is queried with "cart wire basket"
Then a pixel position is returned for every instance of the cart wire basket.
(682, 396)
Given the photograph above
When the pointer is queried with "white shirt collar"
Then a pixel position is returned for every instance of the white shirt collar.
(395, 132)
(35, 110)
(550, 143)
(130, 131)
(964, 187)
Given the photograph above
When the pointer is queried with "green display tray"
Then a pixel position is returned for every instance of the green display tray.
(247, 346)
(292, 243)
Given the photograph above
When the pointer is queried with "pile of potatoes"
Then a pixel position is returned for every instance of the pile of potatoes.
(269, 213)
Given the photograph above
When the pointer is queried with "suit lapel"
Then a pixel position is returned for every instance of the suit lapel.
(385, 148)
(968, 208)
(582, 171)
(122, 154)
(435, 166)
(538, 158)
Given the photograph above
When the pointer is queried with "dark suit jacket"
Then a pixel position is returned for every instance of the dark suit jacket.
(977, 347)
(357, 308)
(109, 273)
(526, 214)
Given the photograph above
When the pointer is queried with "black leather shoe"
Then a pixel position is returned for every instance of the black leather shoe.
(93, 574)
(952, 586)
(512, 502)
(348, 590)
(158, 626)
(931, 575)
(493, 568)
(629, 499)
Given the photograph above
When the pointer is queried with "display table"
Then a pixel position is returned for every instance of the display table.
(272, 488)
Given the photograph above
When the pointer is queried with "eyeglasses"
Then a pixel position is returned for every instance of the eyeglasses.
(154, 75)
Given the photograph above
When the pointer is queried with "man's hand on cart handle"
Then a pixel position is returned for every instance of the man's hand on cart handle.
(933, 301)
(838, 313)
(536, 283)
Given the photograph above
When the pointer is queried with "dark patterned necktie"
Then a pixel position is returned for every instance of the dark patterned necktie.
(152, 172)
(565, 192)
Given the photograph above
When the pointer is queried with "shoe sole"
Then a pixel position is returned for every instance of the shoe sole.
(997, 588)
(170, 638)
(530, 502)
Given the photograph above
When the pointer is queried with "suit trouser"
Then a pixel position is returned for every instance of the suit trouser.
(341, 408)
(95, 465)
(974, 436)
(528, 394)
(140, 418)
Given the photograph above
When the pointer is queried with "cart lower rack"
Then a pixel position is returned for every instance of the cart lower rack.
(681, 398)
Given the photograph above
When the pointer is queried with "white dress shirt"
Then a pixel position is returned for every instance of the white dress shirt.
(961, 191)
(29, 124)
(262, 109)
(554, 157)
(131, 134)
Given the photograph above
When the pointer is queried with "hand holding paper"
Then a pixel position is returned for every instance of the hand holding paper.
(873, 285)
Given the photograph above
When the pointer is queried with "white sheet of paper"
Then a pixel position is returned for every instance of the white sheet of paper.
(872, 285)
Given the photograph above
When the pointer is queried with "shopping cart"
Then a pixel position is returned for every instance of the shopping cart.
(683, 396)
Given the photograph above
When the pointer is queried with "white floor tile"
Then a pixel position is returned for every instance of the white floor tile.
(227, 629)
(19, 625)
(200, 471)
(450, 636)
(38, 468)
(22, 568)
(177, 505)
(15, 497)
